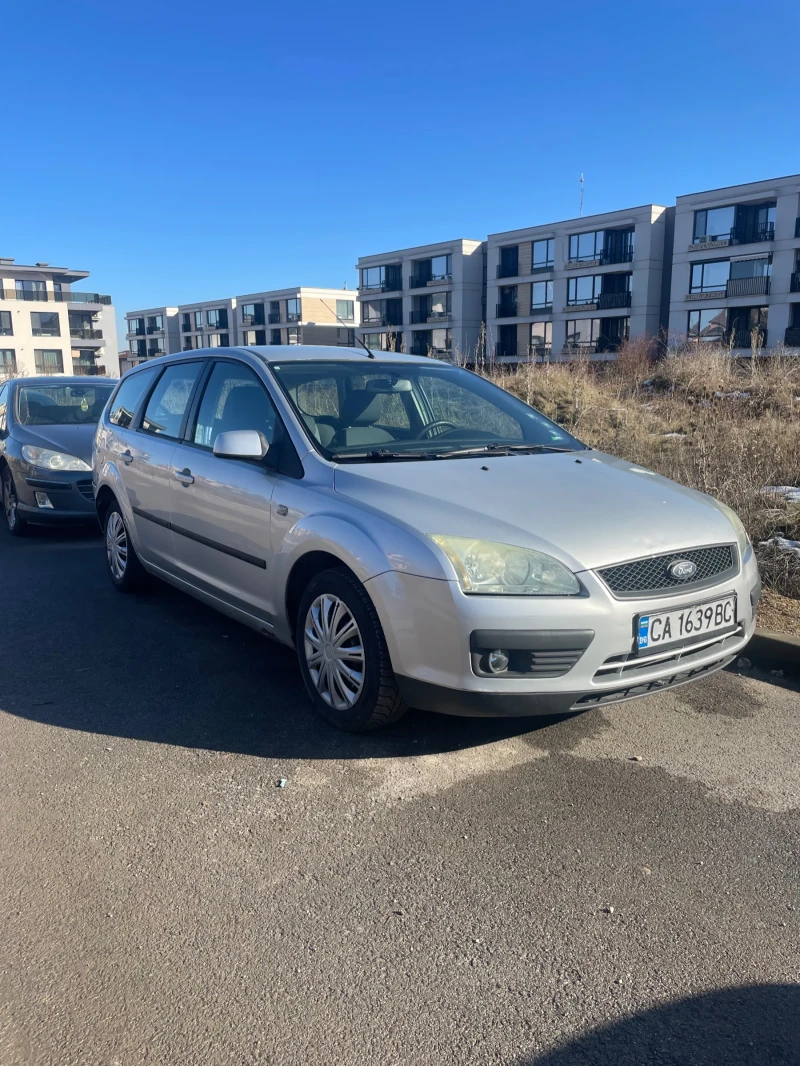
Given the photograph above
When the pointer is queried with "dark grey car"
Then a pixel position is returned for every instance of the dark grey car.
(47, 426)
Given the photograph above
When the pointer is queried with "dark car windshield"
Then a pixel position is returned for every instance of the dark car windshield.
(61, 405)
(359, 412)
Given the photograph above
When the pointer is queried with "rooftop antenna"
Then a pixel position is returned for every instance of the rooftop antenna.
(581, 212)
(366, 349)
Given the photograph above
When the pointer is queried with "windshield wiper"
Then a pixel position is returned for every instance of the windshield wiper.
(381, 455)
(503, 449)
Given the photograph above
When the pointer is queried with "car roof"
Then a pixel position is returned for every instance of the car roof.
(63, 379)
(282, 353)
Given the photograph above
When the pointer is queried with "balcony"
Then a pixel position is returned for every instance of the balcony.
(422, 281)
(794, 283)
(274, 316)
(616, 256)
(763, 231)
(28, 294)
(581, 305)
(154, 351)
(137, 332)
(506, 310)
(81, 298)
(608, 300)
(381, 320)
(747, 286)
(429, 350)
(507, 272)
(541, 309)
(292, 316)
(82, 334)
(393, 284)
(417, 317)
(791, 337)
(743, 338)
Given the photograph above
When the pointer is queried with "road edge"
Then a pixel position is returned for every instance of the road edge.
(774, 651)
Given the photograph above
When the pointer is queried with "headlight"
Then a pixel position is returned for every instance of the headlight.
(741, 533)
(504, 569)
(48, 460)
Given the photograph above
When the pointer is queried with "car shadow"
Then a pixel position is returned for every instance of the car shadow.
(164, 668)
(750, 1026)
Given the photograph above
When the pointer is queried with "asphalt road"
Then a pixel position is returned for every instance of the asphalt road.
(451, 891)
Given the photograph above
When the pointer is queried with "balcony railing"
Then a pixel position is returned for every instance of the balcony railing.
(415, 317)
(428, 349)
(292, 316)
(537, 268)
(507, 271)
(392, 285)
(608, 300)
(616, 256)
(153, 352)
(791, 337)
(747, 286)
(274, 316)
(155, 329)
(422, 281)
(764, 231)
(381, 320)
(501, 352)
(252, 320)
(81, 298)
(138, 331)
(505, 311)
(86, 334)
(541, 309)
(28, 294)
(744, 338)
(794, 285)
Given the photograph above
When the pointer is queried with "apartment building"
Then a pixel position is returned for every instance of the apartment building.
(736, 266)
(298, 315)
(48, 327)
(582, 286)
(426, 300)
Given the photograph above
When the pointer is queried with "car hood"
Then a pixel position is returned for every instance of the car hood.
(74, 440)
(586, 508)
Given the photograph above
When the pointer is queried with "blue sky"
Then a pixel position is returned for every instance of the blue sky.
(192, 151)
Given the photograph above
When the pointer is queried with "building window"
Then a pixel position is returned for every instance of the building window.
(45, 324)
(509, 262)
(507, 343)
(584, 289)
(441, 267)
(254, 336)
(586, 246)
(217, 318)
(707, 324)
(507, 308)
(382, 278)
(583, 332)
(31, 290)
(751, 268)
(541, 296)
(84, 362)
(136, 325)
(48, 361)
(219, 340)
(440, 341)
(186, 322)
(198, 319)
(375, 340)
(293, 310)
(252, 314)
(275, 336)
(710, 277)
(293, 335)
(155, 323)
(714, 224)
(541, 337)
(346, 310)
(6, 328)
(542, 254)
(346, 338)
(8, 361)
(138, 348)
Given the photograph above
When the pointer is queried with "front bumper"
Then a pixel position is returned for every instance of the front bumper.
(70, 493)
(428, 624)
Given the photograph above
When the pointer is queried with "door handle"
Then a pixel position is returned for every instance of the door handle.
(126, 456)
(184, 476)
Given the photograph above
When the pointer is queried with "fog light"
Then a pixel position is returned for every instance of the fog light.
(498, 661)
(42, 499)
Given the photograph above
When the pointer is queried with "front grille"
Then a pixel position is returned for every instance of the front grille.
(646, 688)
(651, 575)
(631, 665)
(86, 489)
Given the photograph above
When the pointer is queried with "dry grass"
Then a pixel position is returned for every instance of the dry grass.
(736, 426)
(779, 614)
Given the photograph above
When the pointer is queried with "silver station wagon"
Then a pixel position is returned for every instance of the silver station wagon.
(420, 536)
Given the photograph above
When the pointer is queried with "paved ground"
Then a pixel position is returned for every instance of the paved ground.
(450, 892)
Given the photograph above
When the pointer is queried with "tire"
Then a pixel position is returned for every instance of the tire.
(124, 568)
(334, 604)
(16, 525)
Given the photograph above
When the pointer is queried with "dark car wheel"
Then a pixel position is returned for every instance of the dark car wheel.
(16, 524)
(343, 655)
(124, 568)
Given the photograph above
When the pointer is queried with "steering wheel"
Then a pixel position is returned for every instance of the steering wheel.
(425, 431)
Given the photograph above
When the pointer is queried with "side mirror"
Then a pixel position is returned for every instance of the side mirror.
(241, 444)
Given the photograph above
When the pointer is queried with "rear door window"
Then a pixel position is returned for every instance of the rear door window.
(167, 406)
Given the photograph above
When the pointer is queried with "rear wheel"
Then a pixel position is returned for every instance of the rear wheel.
(16, 524)
(124, 568)
(343, 655)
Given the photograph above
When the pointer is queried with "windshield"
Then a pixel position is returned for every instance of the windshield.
(408, 410)
(61, 405)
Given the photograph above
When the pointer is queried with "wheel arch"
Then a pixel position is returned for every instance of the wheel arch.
(303, 570)
(105, 497)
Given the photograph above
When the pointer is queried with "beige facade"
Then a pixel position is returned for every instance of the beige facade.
(49, 327)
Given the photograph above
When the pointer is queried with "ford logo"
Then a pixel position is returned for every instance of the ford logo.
(682, 569)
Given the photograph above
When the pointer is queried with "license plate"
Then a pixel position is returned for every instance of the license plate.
(686, 624)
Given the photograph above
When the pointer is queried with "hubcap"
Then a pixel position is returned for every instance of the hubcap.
(10, 502)
(116, 545)
(334, 651)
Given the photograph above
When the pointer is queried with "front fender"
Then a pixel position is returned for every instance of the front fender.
(109, 477)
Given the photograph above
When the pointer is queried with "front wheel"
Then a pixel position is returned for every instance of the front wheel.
(17, 526)
(343, 655)
(124, 568)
